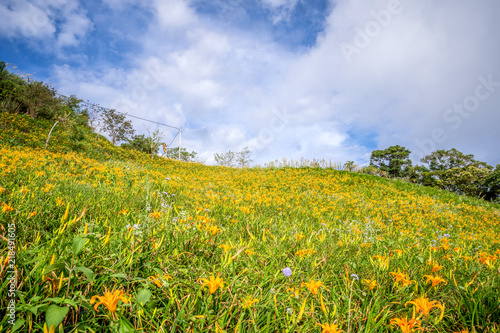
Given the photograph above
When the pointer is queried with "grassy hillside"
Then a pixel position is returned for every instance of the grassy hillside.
(191, 248)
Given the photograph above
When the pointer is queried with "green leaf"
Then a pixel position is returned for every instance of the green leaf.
(143, 296)
(78, 244)
(119, 275)
(52, 267)
(17, 325)
(125, 326)
(34, 309)
(55, 315)
(89, 274)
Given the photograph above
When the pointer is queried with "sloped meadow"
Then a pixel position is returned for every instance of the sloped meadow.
(134, 243)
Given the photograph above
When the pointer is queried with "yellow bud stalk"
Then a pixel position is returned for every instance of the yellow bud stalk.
(106, 240)
(60, 282)
(65, 216)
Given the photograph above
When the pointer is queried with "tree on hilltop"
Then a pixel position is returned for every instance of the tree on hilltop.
(115, 125)
(456, 172)
(393, 160)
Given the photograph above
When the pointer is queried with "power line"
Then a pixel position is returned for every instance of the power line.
(179, 130)
(126, 114)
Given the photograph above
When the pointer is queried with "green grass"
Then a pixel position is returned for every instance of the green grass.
(243, 225)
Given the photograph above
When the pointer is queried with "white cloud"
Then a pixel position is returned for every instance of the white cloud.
(25, 19)
(174, 14)
(232, 88)
(43, 22)
(75, 27)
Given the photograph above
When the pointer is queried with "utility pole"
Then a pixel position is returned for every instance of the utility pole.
(180, 136)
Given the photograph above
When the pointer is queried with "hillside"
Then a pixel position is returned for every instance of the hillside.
(296, 249)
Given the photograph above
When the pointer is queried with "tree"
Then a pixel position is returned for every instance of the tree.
(114, 124)
(69, 114)
(243, 158)
(231, 158)
(393, 160)
(10, 84)
(137, 142)
(442, 160)
(227, 159)
(93, 112)
(456, 172)
(173, 153)
(148, 145)
(154, 141)
(492, 185)
(39, 98)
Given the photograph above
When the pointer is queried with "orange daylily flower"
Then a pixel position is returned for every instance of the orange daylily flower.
(248, 302)
(488, 260)
(401, 277)
(424, 306)
(371, 284)
(407, 326)
(329, 328)
(159, 281)
(110, 299)
(434, 279)
(213, 283)
(294, 291)
(313, 286)
(6, 208)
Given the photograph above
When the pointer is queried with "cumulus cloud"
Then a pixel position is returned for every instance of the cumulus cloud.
(51, 24)
(174, 14)
(25, 19)
(381, 73)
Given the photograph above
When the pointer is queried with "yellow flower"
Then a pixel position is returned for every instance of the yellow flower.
(436, 267)
(213, 229)
(407, 326)
(294, 291)
(110, 299)
(329, 328)
(401, 277)
(304, 252)
(434, 279)
(371, 284)
(424, 306)
(156, 279)
(382, 261)
(313, 286)
(6, 208)
(213, 283)
(444, 244)
(225, 247)
(32, 214)
(156, 215)
(123, 211)
(488, 260)
(249, 302)
(47, 187)
(299, 236)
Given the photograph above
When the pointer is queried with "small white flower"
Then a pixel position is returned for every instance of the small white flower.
(355, 276)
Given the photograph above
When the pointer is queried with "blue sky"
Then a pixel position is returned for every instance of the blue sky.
(288, 78)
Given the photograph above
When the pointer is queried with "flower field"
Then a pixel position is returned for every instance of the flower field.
(113, 240)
